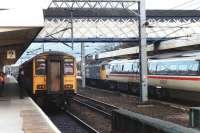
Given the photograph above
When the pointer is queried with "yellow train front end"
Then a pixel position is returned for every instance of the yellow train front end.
(54, 77)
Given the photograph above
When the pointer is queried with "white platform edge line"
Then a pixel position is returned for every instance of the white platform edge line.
(45, 116)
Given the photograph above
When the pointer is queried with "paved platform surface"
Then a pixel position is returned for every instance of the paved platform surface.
(21, 115)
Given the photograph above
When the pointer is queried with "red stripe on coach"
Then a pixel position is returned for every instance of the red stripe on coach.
(160, 77)
(174, 78)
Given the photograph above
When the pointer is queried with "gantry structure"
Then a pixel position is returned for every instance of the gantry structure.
(113, 21)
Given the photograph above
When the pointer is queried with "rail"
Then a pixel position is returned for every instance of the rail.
(99, 106)
(84, 124)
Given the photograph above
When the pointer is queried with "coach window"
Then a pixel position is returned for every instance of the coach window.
(152, 68)
(193, 68)
(127, 67)
(113, 68)
(119, 68)
(183, 69)
(40, 67)
(135, 67)
(172, 69)
(107, 66)
(161, 69)
(68, 67)
(122, 68)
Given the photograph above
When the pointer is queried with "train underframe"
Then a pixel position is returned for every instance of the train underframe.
(60, 99)
(154, 92)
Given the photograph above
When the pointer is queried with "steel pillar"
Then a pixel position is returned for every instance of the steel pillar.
(83, 64)
(72, 30)
(143, 53)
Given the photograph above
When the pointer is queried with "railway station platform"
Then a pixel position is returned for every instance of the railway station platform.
(21, 115)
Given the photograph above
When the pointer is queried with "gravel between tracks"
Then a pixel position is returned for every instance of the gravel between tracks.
(93, 118)
(154, 109)
(65, 123)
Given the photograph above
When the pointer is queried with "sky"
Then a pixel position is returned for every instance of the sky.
(24, 3)
(43, 4)
(150, 4)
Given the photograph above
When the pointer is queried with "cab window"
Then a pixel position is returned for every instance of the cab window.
(68, 67)
(40, 67)
(103, 67)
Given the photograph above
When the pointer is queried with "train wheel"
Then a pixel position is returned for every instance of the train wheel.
(166, 94)
(161, 93)
(152, 91)
(112, 86)
(133, 90)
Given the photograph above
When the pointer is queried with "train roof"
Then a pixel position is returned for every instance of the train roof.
(49, 53)
(54, 53)
(154, 60)
(98, 62)
(177, 59)
(123, 61)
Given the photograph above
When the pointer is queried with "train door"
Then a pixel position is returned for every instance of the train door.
(55, 75)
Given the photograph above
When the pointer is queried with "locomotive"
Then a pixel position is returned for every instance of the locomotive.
(50, 77)
(175, 77)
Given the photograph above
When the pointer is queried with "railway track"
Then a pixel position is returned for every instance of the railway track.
(68, 122)
(84, 124)
(173, 103)
(98, 106)
(61, 118)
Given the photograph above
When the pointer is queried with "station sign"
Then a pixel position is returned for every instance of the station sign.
(11, 54)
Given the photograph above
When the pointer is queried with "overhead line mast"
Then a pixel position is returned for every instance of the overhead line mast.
(143, 52)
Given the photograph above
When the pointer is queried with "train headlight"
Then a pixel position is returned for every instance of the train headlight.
(40, 87)
(68, 86)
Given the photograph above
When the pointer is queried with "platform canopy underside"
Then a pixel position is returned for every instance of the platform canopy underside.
(15, 39)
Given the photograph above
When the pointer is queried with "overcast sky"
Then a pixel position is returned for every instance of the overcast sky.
(150, 4)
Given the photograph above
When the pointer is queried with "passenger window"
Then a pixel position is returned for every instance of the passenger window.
(68, 67)
(182, 69)
(172, 69)
(135, 67)
(122, 68)
(113, 68)
(193, 68)
(40, 67)
(152, 68)
(160, 69)
(127, 67)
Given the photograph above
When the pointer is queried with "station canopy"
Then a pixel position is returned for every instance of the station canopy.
(18, 28)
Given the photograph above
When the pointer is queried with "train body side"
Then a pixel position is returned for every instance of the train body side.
(173, 75)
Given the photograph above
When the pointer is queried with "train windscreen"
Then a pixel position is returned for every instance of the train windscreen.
(40, 67)
(68, 66)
